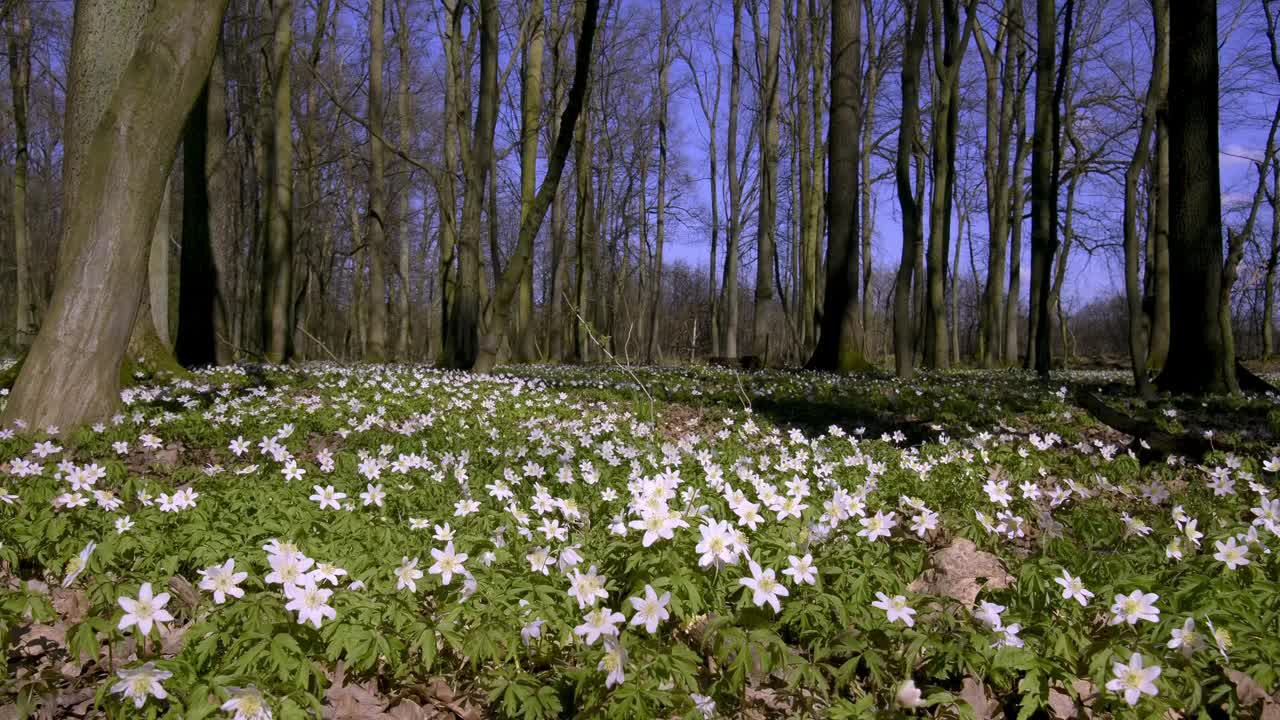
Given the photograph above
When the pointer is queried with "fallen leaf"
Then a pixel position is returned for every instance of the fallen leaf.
(960, 571)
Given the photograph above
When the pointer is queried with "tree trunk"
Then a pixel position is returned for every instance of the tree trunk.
(277, 270)
(840, 341)
(530, 122)
(734, 180)
(1000, 98)
(912, 233)
(119, 151)
(406, 145)
(585, 238)
(871, 88)
(464, 330)
(664, 69)
(1138, 344)
(20, 84)
(375, 220)
(1012, 308)
(1197, 361)
(765, 319)
(1273, 260)
(1043, 202)
(1158, 337)
(446, 189)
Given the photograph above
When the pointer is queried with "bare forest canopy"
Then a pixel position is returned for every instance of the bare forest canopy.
(827, 183)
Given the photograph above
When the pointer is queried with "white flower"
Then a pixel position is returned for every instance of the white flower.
(599, 622)
(327, 497)
(878, 526)
(145, 611)
(78, 564)
(139, 683)
(896, 608)
(247, 704)
(765, 589)
(222, 580)
(447, 563)
(908, 694)
(373, 495)
(703, 704)
(650, 609)
(1073, 588)
(1231, 554)
(288, 568)
(1186, 638)
(408, 574)
(541, 560)
(123, 525)
(989, 614)
(1133, 680)
(1133, 607)
(613, 662)
(587, 587)
(717, 546)
(802, 570)
(310, 602)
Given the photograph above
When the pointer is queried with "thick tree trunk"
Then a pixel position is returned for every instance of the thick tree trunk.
(917, 22)
(1043, 229)
(464, 327)
(1158, 333)
(119, 151)
(840, 341)
(1197, 355)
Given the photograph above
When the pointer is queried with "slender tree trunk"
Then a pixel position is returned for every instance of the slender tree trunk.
(765, 319)
(530, 121)
(664, 69)
(446, 189)
(1273, 261)
(1012, 308)
(406, 145)
(1198, 358)
(375, 220)
(999, 139)
(277, 270)
(119, 151)
(871, 88)
(1138, 344)
(585, 240)
(917, 21)
(734, 180)
(1043, 202)
(20, 84)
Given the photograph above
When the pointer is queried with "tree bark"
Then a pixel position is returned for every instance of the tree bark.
(277, 267)
(765, 319)
(1197, 355)
(1000, 79)
(664, 69)
(406, 141)
(912, 232)
(1133, 292)
(375, 220)
(20, 84)
(119, 151)
(530, 122)
(734, 180)
(840, 340)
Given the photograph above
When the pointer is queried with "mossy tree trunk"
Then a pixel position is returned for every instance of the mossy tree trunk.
(127, 60)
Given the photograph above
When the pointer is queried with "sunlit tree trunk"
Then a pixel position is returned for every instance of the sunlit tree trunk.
(119, 150)
(998, 62)
(664, 70)
(277, 266)
(376, 219)
(1017, 204)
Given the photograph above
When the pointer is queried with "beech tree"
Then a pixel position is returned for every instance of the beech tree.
(119, 151)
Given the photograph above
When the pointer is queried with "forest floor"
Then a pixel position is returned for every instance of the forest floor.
(401, 542)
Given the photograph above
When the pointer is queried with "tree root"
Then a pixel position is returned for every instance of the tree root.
(1158, 443)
